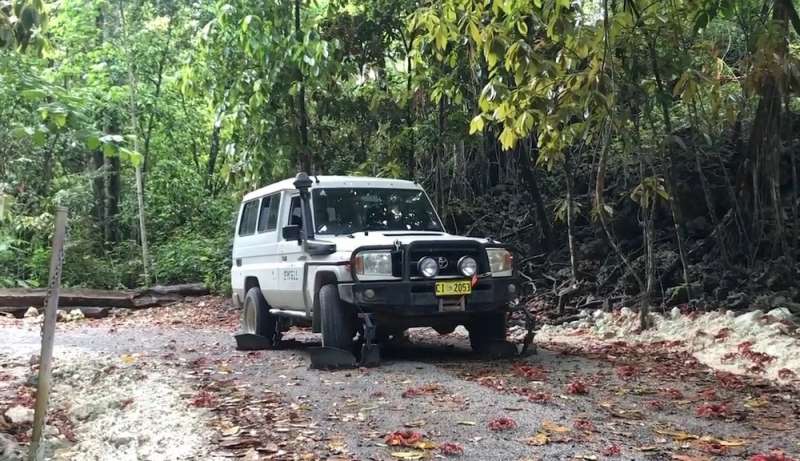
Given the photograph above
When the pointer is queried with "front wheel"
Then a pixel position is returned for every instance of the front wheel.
(485, 329)
(338, 323)
(256, 318)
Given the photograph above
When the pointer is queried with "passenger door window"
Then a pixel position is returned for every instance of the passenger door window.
(295, 213)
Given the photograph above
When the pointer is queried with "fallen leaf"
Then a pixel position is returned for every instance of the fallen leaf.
(689, 458)
(424, 445)
(231, 431)
(408, 454)
(724, 443)
(542, 438)
(550, 426)
(413, 424)
(756, 402)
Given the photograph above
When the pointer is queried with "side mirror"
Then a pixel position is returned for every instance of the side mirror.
(291, 232)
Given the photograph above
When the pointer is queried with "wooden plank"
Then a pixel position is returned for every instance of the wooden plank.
(85, 297)
(70, 297)
(184, 289)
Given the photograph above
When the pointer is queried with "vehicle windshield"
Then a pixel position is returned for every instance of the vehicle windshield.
(348, 210)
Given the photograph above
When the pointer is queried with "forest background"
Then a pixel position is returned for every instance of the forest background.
(625, 147)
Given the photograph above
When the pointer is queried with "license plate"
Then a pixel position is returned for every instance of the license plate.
(454, 288)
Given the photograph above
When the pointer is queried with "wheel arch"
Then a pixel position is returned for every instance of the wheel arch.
(250, 281)
(323, 277)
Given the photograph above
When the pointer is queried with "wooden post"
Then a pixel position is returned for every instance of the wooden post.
(48, 332)
(142, 227)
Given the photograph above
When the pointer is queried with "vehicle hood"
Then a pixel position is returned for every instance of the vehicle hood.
(348, 243)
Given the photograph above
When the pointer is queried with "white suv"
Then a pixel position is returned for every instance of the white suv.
(331, 250)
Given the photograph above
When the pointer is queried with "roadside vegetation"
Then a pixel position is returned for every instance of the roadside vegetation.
(627, 148)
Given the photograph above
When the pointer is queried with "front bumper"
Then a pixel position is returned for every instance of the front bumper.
(417, 298)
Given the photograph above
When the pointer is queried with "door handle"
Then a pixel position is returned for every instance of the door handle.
(283, 258)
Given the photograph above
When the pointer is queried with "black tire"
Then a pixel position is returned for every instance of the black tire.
(338, 323)
(256, 318)
(485, 328)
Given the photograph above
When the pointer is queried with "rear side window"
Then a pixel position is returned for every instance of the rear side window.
(268, 216)
(249, 216)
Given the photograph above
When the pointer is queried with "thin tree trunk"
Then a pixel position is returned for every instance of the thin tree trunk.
(112, 196)
(712, 212)
(135, 128)
(569, 175)
(677, 215)
(213, 154)
(156, 94)
(648, 211)
(98, 187)
(599, 188)
(528, 172)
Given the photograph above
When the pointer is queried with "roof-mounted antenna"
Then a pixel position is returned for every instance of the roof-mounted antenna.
(316, 178)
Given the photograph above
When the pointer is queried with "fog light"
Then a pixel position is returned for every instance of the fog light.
(428, 267)
(468, 266)
(512, 288)
(369, 293)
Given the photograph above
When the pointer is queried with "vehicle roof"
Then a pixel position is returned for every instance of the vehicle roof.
(334, 181)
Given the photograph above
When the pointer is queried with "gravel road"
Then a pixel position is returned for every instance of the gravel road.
(562, 404)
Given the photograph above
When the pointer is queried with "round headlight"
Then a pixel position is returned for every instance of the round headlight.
(428, 267)
(468, 266)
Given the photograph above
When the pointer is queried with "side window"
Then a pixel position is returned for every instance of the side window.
(268, 216)
(295, 212)
(249, 216)
(272, 217)
(262, 214)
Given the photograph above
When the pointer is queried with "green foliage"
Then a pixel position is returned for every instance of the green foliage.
(234, 94)
(191, 257)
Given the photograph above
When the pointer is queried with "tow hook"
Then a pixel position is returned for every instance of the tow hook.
(530, 324)
(504, 349)
(329, 358)
(370, 352)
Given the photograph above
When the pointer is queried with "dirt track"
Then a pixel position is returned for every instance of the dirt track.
(616, 404)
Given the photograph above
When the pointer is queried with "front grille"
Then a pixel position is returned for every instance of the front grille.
(449, 252)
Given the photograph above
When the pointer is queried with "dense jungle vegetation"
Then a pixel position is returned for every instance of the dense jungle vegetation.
(624, 146)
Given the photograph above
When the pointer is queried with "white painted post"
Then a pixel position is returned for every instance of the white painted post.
(48, 332)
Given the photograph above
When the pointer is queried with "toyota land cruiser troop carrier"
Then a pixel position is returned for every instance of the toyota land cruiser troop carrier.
(362, 256)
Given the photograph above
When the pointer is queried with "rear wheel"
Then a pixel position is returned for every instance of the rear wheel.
(486, 328)
(338, 323)
(256, 318)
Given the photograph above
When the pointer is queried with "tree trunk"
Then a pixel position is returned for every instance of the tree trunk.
(135, 128)
(213, 153)
(98, 187)
(674, 205)
(526, 168)
(570, 179)
(112, 196)
(599, 204)
(648, 236)
(148, 133)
